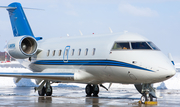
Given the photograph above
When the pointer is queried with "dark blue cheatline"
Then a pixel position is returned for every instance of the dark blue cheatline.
(89, 63)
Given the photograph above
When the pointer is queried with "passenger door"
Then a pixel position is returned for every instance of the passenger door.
(66, 53)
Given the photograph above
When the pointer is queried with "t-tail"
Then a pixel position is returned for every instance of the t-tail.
(19, 22)
(24, 44)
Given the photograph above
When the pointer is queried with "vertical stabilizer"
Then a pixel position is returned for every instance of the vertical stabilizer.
(20, 25)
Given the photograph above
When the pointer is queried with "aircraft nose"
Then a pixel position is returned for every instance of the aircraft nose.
(171, 71)
(168, 70)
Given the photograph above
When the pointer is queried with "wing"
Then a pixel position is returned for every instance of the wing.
(45, 76)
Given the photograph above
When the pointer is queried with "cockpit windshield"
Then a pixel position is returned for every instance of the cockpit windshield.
(121, 45)
(153, 46)
(139, 45)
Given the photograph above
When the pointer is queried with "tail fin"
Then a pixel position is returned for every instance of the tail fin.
(19, 22)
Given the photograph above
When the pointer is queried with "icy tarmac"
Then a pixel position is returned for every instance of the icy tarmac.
(73, 96)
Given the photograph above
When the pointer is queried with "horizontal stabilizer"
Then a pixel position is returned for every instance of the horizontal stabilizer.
(44, 76)
(6, 7)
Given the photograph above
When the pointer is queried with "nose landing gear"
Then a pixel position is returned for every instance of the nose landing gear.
(146, 97)
(148, 93)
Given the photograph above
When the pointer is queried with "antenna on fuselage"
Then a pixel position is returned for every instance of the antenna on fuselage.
(171, 58)
(80, 32)
(110, 30)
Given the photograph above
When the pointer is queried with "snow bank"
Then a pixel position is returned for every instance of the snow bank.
(8, 81)
(177, 65)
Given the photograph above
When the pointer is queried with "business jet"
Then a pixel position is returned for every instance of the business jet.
(126, 58)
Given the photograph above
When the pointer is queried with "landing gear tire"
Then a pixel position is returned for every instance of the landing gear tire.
(143, 99)
(89, 90)
(42, 91)
(95, 90)
(49, 93)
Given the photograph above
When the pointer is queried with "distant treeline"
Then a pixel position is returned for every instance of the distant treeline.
(2, 57)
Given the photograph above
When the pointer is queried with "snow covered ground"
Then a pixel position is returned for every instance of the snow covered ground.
(8, 81)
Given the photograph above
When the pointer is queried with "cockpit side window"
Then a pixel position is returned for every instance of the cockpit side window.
(121, 45)
(153, 46)
(140, 45)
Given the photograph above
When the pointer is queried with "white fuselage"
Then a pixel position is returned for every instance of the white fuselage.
(92, 60)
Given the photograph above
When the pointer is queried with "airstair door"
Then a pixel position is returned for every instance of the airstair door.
(66, 53)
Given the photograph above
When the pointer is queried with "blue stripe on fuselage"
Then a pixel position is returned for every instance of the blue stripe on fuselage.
(90, 63)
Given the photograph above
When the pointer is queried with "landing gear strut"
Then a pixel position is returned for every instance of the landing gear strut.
(92, 89)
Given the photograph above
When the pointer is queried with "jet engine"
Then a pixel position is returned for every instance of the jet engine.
(22, 47)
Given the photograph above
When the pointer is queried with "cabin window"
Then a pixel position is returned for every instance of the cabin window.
(86, 51)
(66, 52)
(48, 52)
(121, 45)
(79, 53)
(54, 52)
(59, 52)
(94, 49)
(153, 46)
(140, 45)
(72, 52)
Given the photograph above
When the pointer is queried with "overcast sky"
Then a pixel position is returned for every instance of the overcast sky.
(157, 20)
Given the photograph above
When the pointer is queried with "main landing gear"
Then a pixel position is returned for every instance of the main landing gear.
(47, 89)
(147, 91)
(92, 89)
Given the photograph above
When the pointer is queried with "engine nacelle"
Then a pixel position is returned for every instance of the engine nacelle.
(22, 47)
